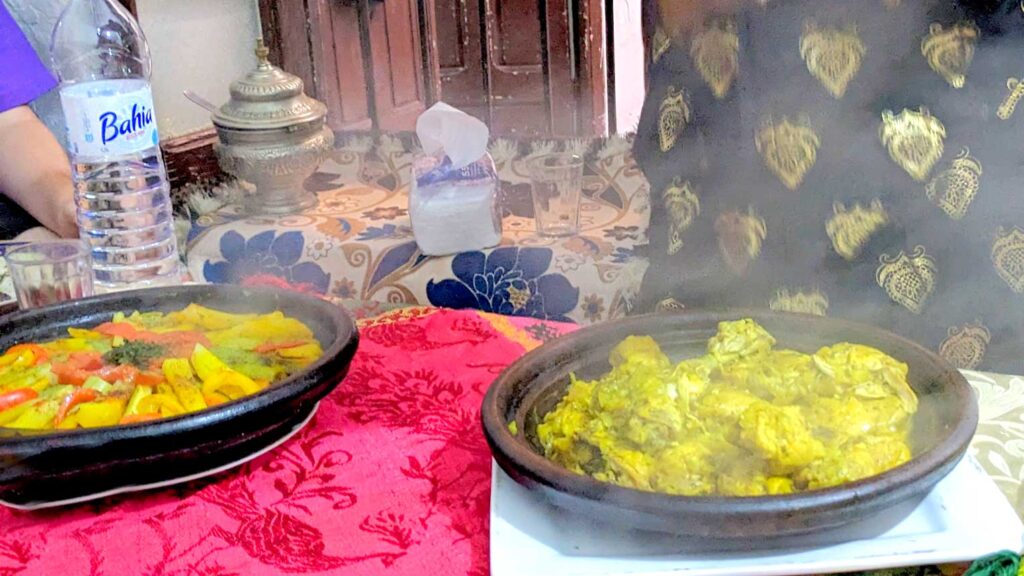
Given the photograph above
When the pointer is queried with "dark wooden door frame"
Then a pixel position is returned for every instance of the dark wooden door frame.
(295, 34)
(593, 66)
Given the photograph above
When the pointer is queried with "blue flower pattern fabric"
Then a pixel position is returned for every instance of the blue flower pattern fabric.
(357, 243)
(510, 281)
(265, 253)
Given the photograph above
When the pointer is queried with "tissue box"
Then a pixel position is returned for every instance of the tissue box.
(454, 210)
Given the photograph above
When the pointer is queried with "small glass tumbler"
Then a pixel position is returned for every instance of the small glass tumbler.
(46, 273)
(557, 181)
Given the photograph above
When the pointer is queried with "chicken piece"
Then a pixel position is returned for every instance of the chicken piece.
(640, 349)
(838, 420)
(782, 377)
(641, 403)
(739, 339)
(855, 461)
(686, 469)
(868, 372)
(779, 435)
(625, 467)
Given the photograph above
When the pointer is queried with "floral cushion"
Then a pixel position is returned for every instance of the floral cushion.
(357, 245)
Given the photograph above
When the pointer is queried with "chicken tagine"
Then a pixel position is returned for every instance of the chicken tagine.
(146, 366)
(746, 419)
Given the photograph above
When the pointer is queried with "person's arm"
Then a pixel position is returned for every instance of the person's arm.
(35, 171)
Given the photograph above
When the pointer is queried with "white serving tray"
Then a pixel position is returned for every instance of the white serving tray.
(963, 518)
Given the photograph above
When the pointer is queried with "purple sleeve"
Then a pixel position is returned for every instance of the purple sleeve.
(24, 77)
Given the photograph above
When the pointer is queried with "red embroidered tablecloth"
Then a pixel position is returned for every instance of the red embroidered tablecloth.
(391, 477)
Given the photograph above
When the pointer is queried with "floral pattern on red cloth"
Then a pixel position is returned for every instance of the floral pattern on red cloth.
(392, 476)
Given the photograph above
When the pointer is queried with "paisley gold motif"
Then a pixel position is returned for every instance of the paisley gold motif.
(660, 44)
(673, 117)
(915, 140)
(715, 52)
(1009, 104)
(1008, 257)
(950, 51)
(518, 297)
(683, 207)
(909, 280)
(789, 150)
(851, 228)
(740, 237)
(809, 302)
(954, 188)
(833, 56)
(669, 305)
(965, 346)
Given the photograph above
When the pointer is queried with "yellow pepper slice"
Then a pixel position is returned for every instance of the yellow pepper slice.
(190, 396)
(232, 384)
(177, 369)
(85, 334)
(138, 395)
(205, 363)
(70, 345)
(21, 358)
(106, 412)
(12, 414)
(38, 416)
(165, 405)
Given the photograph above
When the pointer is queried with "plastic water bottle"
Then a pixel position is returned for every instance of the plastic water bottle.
(121, 188)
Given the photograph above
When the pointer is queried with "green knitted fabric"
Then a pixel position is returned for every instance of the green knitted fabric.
(1004, 563)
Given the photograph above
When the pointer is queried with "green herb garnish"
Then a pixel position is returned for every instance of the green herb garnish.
(134, 352)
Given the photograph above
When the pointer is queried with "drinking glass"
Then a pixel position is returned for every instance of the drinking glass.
(49, 272)
(557, 181)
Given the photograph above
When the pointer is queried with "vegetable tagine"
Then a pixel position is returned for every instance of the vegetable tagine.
(146, 366)
(743, 420)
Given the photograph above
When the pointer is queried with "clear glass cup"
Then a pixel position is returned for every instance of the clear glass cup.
(557, 182)
(50, 272)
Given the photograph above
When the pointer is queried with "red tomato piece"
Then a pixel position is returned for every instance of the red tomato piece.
(86, 360)
(79, 396)
(130, 332)
(77, 367)
(122, 329)
(16, 397)
(147, 378)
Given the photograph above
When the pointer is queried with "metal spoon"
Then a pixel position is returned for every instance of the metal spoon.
(200, 101)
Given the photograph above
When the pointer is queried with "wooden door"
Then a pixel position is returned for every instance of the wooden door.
(460, 56)
(398, 62)
(526, 67)
(370, 62)
(522, 66)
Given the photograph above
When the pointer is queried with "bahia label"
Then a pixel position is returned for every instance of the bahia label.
(109, 118)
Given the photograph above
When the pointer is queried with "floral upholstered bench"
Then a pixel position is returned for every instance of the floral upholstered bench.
(357, 245)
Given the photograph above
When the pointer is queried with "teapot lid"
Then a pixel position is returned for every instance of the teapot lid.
(268, 98)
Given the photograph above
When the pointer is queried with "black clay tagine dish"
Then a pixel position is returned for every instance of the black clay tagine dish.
(942, 428)
(39, 469)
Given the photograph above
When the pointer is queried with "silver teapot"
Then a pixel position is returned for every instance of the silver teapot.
(273, 136)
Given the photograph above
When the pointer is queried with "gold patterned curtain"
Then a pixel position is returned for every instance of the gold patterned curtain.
(853, 158)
